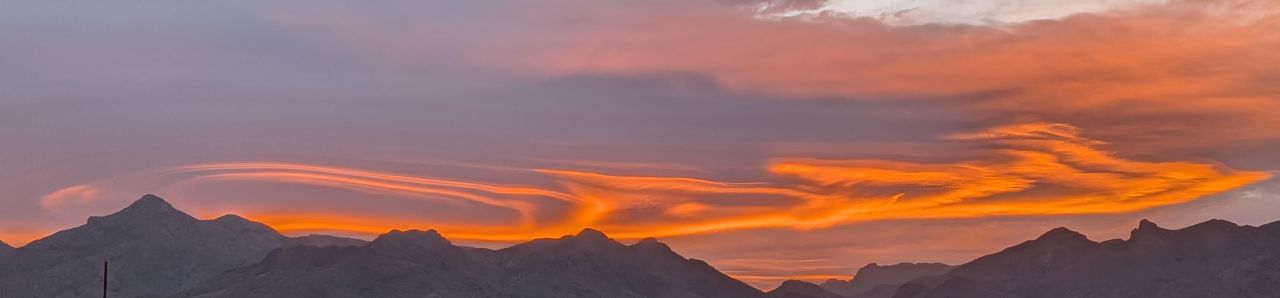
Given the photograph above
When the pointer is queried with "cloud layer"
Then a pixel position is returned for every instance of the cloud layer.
(740, 131)
(1035, 169)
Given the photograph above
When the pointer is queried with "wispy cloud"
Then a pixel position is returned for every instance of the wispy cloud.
(1035, 169)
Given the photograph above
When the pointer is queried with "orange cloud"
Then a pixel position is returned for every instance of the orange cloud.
(71, 195)
(1123, 70)
(1153, 77)
(1033, 169)
(1045, 169)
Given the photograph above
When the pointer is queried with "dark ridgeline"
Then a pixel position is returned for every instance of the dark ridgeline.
(158, 251)
(1211, 259)
(4, 248)
(876, 281)
(871, 281)
(154, 249)
(418, 263)
(800, 289)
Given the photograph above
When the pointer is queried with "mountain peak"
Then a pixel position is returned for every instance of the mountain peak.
(420, 234)
(150, 202)
(237, 223)
(590, 239)
(1215, 224)
(796, 288)
(1062, 234)
(413, 239)
(1057, 238)
(1212, 226)
(795, 284)
(231, 218)
(149, 208)
(1147, 230)
(4, 247)
(648, 242)
(1147, 224)
(589, 233)
(318, 240)
(652, 246)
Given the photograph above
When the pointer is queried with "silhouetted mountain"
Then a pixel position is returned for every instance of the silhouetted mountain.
(590, 264)
(418, 264)
(323, 241)
(397, 264)
(875, 281)
(1211, 259)
(154, 250)
(800, 289)
(158, 251)
(4, 248)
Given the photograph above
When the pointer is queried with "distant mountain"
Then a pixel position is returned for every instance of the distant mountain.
(157, 251)
(1211, 259)
(424, 264)
(154, 250)
(590, 264)
(800, 289)
(323, 241)
(4, 248)
(876, 281)
(398, 264)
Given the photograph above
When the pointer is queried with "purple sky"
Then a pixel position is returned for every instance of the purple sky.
(773, 142)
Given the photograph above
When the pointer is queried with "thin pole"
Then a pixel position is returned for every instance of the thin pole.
(104, 278)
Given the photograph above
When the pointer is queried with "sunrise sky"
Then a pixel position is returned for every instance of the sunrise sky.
(774, 139)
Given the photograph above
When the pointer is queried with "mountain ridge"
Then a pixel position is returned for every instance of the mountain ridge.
(1215, 258)
(587, 264)
(801, 289)
(875, 280)
(157, 250)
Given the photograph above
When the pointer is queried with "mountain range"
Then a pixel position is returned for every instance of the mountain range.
(1211, 259)
(155, 250)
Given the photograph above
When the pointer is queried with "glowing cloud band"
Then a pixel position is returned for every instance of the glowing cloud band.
(1037, 169)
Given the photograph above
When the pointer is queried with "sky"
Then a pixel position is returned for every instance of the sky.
(774, 139)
